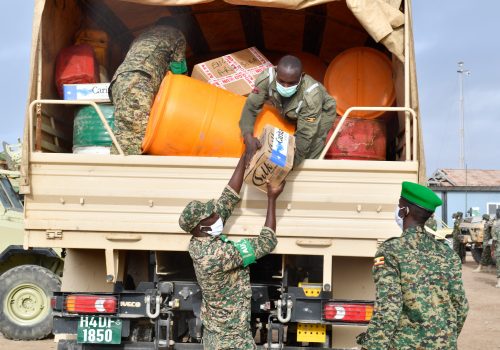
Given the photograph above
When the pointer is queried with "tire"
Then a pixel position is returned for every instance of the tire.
(25, 292)
(476, 254)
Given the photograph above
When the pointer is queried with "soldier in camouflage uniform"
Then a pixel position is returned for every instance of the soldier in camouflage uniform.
(420, 299)
(458, 246)
(137, 80)
(300, 99)
(486, 260)
(221, 265)
(495, 233)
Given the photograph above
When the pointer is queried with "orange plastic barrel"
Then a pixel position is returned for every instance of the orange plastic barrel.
(312, 65)
(359, 139)
(193, 118)
(361, 77)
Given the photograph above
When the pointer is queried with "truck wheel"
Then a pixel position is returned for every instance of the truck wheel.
(25, 293)
(476, 254)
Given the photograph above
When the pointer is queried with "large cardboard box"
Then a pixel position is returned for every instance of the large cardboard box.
(235, 72)
(273, 161)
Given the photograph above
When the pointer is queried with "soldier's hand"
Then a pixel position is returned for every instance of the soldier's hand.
(252, 144)
(273, 192)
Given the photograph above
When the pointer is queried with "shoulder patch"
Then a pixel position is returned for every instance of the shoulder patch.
(379, 261)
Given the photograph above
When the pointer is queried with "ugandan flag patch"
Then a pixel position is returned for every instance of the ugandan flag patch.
(378, 261)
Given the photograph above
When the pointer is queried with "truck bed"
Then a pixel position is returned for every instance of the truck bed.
(134, 202)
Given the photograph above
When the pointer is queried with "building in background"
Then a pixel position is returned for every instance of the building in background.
(473, 192)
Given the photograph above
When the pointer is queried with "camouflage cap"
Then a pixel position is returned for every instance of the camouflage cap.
(194, 212)
(486, 217)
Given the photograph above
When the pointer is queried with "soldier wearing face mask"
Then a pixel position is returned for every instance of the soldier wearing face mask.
(420, 299)
(221, 265)
(300, 99)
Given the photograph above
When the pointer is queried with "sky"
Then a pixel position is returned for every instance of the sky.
(445, 32)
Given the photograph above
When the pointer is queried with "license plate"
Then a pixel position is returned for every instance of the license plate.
(99, 330)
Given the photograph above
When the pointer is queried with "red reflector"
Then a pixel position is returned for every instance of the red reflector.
(91, 304)
(53, 302)
(341, 312)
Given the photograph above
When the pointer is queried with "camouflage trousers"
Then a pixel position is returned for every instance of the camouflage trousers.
(227, 341)
(133, 95)
(486, 256)
(459, 248)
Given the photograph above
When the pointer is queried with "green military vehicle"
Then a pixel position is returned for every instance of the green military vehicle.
(27, 277)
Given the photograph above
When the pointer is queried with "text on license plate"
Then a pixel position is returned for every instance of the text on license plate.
(99, 330)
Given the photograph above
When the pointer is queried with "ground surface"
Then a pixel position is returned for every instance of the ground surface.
(481, 329)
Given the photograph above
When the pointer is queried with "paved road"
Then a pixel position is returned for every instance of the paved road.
(481, 330)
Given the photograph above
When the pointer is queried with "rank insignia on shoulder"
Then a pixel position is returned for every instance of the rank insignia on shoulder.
(378, 261)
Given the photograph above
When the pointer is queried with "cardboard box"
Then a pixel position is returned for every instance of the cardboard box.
(235, 72)
(97, 92)
(273, 161)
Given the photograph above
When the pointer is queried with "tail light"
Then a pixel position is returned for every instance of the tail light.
(53, 303)
(347, 312)
(91, 304)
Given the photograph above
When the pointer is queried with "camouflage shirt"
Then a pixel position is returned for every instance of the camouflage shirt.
(420, 299)
(224, 282)
(152, 51)
(311, 108)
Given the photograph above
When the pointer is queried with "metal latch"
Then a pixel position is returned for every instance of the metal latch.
(54, 234)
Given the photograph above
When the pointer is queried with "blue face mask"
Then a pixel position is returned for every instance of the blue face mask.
(286, 91)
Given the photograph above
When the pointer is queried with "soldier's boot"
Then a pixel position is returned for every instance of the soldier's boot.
(478, 268)
(498, 282)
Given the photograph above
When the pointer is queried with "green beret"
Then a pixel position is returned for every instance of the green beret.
(194, 212)
(420, 195)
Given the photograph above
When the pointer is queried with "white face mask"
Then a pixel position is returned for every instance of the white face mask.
(399, 219)
(215, 229)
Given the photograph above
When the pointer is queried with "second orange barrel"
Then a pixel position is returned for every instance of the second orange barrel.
(361, 77)
(193, 118)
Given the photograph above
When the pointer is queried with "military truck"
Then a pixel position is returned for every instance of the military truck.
(27, 277)
(471, 234)
(128, 279)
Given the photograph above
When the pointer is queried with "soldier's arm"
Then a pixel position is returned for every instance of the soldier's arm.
(266, 242)
(388, 304)
(457, 293)
(230, 196)
(252, 249)
(178, 65)
(254, 103)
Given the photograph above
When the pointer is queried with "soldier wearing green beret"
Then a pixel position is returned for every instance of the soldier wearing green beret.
(420, 299)
(300, 99)
(221, 265)
(153, 53)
